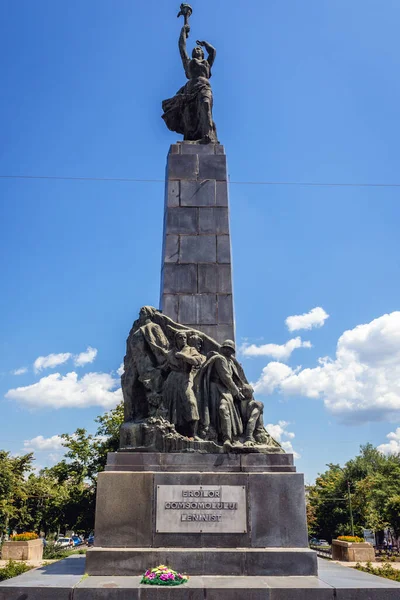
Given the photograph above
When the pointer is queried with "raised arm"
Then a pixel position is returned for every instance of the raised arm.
(211, 51)
(182, 48)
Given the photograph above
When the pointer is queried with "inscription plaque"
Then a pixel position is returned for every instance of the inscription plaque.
(201, 509)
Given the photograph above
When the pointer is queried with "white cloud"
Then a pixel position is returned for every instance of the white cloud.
(362, 382)
(85, 357)
(121, 369)
(280, 352)
(20, 371)
(54, 360)
(40, 443)
(393, 447)
(315, 318)
(50, 361)
(280, 434)
(57, 391)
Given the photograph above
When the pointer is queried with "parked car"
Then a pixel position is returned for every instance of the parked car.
(64, 542)
(322, 543)
(90, 540)
(77, 540)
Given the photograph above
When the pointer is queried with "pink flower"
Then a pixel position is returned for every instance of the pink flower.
(171, 576)
(151, 576)
(164, 577)
(147, 573)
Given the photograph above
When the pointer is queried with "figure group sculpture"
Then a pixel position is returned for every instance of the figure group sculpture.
(187, 378)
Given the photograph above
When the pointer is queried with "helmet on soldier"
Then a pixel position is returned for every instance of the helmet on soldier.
(229, 344)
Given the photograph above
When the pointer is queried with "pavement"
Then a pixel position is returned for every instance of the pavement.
(66, 579)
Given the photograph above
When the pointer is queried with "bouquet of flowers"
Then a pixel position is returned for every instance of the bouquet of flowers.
(163, 575)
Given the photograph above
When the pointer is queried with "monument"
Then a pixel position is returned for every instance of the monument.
(198, 483)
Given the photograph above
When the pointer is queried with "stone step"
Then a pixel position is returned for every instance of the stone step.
(204, 561)
(65, 580)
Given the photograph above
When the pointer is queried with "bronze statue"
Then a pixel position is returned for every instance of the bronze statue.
(181, 387)
(189, 112)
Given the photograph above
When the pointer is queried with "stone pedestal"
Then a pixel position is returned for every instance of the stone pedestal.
(271, 512)
(196, 282)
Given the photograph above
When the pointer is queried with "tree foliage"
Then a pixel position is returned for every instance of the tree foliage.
(374, 481)
(61, 497)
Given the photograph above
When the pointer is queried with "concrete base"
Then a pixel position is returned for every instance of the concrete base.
(352, 552)
(65, 580)
(29, 550)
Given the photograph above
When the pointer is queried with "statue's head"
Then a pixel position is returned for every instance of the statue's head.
(146, 312)
(195, 341)
(180, 339)
(228, 348)
(198, 53)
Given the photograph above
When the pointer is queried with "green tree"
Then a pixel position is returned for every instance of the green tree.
(375, 490)
(13, 492)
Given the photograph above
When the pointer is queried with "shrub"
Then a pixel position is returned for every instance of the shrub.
(51, 552)
(12, 569)
(24, 537)
(350, 538)
(386, 571)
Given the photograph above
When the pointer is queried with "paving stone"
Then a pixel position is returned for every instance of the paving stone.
(182, 167)
(172, 194)
(213, 167)
(224, 279)
(171, 249)
(213, 220)
(280, 522)
(51, 582)
(198, 249)
(214, 279)
(170, 305)
(198, 193)
(222, 193)
(180, 279)
(225, 309)
(182, 220)
(223, 249)
(198, 309)
(123, 510)
(208, 279)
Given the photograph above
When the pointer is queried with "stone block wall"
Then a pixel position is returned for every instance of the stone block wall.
(196, 278)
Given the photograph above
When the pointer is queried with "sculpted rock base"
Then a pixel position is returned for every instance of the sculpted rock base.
(158, 435)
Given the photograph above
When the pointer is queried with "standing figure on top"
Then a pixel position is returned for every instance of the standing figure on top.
(189, 112)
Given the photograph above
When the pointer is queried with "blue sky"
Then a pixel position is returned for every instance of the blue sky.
(305, 91)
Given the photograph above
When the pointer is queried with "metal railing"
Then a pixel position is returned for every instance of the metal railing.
(322, 551)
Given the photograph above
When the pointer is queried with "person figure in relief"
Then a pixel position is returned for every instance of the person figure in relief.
(220, 397)
(227, 405)
(189, 112)
(178, 394)
(144, 367)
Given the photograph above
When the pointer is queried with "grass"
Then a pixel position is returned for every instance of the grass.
(386, 571)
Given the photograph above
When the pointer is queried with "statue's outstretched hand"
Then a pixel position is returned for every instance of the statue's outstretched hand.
(199, 43)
